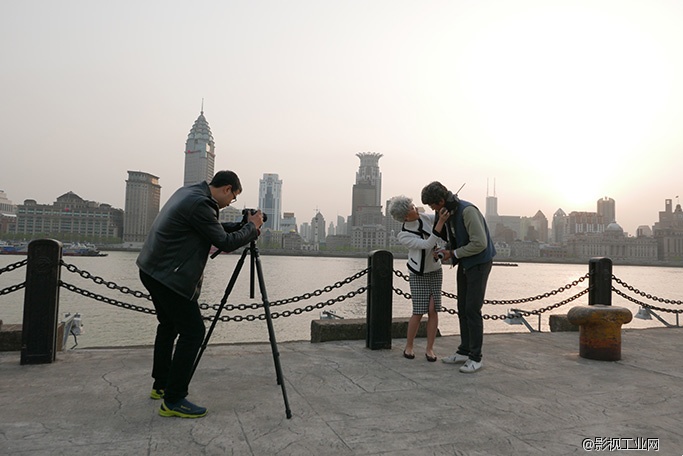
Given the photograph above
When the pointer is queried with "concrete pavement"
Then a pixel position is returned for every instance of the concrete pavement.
(534, 396)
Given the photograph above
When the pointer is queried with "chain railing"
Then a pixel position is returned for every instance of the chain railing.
(9, 268)
(649, 296)
(341, 298)
(524, 313)
(227, 307)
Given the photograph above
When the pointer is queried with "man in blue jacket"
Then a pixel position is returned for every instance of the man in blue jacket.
(172, 264)
(470, 248)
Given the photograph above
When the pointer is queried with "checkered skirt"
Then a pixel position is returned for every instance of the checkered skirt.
(422, 287)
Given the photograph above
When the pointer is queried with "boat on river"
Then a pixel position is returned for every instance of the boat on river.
(70, 249)
(80, 249)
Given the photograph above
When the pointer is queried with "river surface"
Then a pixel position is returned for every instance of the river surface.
(106, 325)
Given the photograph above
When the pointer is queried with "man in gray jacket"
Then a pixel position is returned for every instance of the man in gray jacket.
(172, 263)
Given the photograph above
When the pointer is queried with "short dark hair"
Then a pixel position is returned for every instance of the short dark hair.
(223, 178)
(434, 192)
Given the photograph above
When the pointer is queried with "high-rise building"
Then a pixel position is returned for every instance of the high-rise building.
(669, 232)
(607, 208)
(8, 210)
(366, 206)
(491, 212)
(199, 152)
(341, 225)
(560, 226)
(270, 200)
(143, 196)
(318, 230)
(535, 228)
(288, 224)
(305, 232)
(6, 206)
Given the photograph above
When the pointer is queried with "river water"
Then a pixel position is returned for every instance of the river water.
(288, 276)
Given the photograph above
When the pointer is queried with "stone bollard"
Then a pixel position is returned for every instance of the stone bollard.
(599, 330)
(380, 300)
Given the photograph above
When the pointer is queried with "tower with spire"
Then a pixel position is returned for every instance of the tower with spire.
(199, 152)
(366, 206)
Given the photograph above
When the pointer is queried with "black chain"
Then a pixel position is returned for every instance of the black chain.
(647, 306)
(12, 267)
(98, 297)
(646, 295)
(326, 289)
(283, 314)
(544, 295)
(12, 289)
(100, 281)
(524, 312)
(500, 302)
(204, 306)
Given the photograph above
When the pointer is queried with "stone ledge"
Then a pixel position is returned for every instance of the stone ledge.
(559, 323)
(10, 337)
(356, 329)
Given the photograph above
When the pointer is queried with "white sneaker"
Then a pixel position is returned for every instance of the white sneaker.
(470, 366)
(455, 358)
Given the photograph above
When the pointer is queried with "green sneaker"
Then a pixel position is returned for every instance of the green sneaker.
(156, 394)
(183, 409)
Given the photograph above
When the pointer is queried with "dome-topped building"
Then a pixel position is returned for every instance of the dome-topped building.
(614, 229)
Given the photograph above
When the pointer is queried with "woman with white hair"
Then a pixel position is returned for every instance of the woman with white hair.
(426, 277)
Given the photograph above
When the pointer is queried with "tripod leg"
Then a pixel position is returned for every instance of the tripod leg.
(271, 330)
(228, 290)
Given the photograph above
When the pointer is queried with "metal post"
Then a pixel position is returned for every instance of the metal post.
(380, 299)
(600, 281)
(41, 302)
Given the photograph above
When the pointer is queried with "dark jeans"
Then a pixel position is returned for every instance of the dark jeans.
(178, 317)
(471, 288)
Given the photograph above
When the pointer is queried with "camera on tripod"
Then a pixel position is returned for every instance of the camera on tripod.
(246, 212)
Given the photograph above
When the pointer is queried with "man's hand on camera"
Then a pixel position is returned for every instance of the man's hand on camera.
(256, 218)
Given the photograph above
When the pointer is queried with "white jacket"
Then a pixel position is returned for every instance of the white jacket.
(420, 239)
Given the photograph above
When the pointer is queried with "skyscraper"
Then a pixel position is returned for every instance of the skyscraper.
(270, 200)
(607, 208)
(491, 213)
(367, 191)
(318, 230)
(199, 152)
(143, 195)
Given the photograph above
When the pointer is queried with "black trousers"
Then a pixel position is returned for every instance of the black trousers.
(471, 288)
(178, 318)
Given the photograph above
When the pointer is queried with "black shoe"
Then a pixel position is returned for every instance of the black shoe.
(431, 359)
(183, 408)
(406, 355)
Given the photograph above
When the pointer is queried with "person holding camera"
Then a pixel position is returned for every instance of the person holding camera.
(171, 264)
(425, 275)
(471, 248)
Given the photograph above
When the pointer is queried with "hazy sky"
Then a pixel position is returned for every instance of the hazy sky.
(560, 102)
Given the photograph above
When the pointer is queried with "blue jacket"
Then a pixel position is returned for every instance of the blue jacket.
(178, 244)
(455, 231)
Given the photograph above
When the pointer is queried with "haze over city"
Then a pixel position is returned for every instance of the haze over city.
(561, 103)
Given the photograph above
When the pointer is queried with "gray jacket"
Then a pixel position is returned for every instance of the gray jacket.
(178, 244)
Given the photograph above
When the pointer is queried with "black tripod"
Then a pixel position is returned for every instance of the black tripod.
(255, 262)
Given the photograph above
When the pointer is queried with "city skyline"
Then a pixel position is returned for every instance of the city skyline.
(562, 104)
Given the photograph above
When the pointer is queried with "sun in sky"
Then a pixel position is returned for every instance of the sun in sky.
(570, 93)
